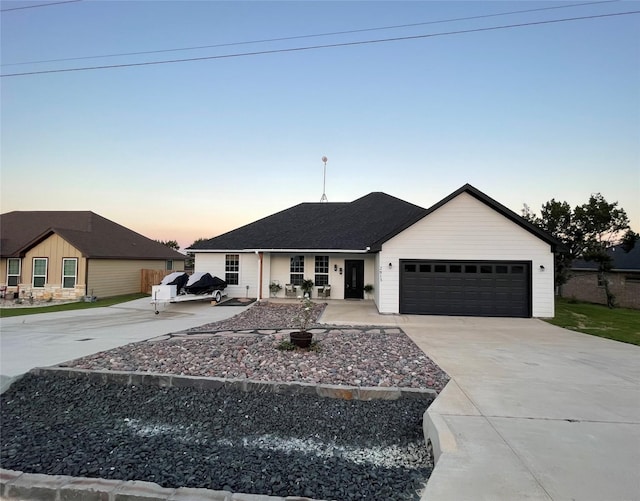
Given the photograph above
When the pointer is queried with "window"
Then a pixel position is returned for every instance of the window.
(502, 269)
(296, 270)
(232, 269)
(13, 271)
(69, 273)
(169, 264)
(455, 268)
(440, 268)
(322, 270)
(39, 271)
(517, 269)
(425, 268)
(410, 268)
(471, 268)
(486, 268)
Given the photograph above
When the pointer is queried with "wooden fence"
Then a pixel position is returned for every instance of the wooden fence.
(151, 277)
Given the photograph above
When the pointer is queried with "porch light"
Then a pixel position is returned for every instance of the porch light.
(390, 265)
(335, 267)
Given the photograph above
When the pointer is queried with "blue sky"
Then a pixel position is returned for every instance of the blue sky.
(194, 149)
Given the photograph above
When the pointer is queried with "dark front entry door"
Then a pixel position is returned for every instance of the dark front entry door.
(354, 279)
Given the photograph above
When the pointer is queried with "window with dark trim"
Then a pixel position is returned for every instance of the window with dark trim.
(39, 272)
(440, 268)
(296, 270)
(502, 269)
(69, 272)
(13, 271)
(232, 269)
(455, 268)
(169, 264)
(410, 268)
(322, 270)
(425, 268)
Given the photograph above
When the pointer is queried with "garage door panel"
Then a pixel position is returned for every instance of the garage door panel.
(484, 288)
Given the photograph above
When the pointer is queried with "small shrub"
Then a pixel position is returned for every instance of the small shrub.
(286, 346)
(315, 346)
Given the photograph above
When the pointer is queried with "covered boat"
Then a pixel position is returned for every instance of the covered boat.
(177, 278)
(204, 283)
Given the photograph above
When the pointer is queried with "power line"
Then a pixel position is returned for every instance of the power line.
(314, 47)
(280, 39)
(39, 5)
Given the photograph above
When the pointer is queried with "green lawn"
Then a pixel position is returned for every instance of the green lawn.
(108, 301)
(620, 324)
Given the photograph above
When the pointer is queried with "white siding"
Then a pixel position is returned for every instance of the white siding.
(466, 229)
(248, 275)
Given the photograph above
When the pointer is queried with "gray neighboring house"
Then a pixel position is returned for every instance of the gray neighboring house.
(70, 254)
(584, 284)
(465, 255)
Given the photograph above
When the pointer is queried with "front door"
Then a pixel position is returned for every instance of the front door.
(354, 279)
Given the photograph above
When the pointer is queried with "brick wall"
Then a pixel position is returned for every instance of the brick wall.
(583, 286)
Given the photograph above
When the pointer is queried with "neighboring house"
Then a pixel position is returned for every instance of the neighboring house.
(466, 255)
(71, 254)
(584, 284)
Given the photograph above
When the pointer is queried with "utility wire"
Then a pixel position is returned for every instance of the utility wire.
(314, 47)
(39, 5)
(230, 44)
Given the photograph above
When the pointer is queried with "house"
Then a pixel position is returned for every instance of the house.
(71, 254)
(584, 284)
(465, 255)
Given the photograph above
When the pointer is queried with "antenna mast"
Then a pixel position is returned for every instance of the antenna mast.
(324, 181)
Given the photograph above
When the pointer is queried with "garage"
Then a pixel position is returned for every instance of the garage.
(467, 288)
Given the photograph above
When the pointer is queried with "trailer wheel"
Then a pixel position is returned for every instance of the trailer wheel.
(218, 297)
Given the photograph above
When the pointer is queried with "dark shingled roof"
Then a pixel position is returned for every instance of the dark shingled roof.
(366, 222)
(622, 261)
(333, 225)
(93, 235)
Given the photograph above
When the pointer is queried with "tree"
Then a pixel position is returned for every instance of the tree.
(170, 243)
(600, 225)
(556, 218)
(587, 232)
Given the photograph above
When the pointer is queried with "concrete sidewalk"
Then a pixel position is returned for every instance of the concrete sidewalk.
(532, 411)
(46, 339)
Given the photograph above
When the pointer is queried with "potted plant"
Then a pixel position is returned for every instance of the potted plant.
(275, 287)
(368, 289)
(307, 287)
(304, 315)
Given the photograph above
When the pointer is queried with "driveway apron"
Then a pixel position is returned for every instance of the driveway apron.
(52, 338)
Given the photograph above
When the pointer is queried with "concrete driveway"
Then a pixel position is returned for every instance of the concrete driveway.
(51, 338)
(532, 411)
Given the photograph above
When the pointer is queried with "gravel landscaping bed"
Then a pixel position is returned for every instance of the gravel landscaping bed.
(254, 443)
(245, 346)
(261, 443)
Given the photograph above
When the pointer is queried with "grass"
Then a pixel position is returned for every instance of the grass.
(80, 305)
(619, 324)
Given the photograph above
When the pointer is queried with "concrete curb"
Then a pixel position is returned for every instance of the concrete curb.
(246, 385)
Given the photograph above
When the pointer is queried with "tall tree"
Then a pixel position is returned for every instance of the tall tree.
(586, 232)
(600, 225)
(556, 218)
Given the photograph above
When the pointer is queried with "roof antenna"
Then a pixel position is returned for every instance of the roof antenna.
(324, 181)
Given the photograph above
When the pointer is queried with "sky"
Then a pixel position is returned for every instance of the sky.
(416, 100)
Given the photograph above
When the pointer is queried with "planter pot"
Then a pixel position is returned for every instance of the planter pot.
(301, 339)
